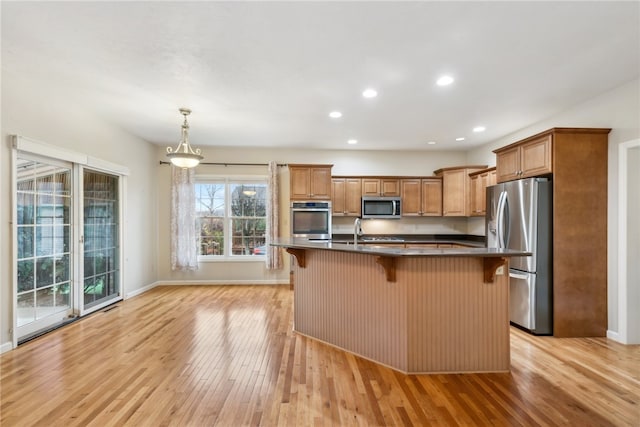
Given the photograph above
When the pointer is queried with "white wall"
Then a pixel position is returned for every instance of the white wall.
(632, 246)
(618, 109)
(40, 112)
(352, 162)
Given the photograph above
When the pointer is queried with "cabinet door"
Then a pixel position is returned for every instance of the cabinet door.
(491, 179)
(370, 187)
(352, 197)
(535, 157)
(300, 183)
(338, 191)
(411, 197)
(454, 192)
(432, 197)
(390, 187)
(508, 164)
(476, 189)
(320, 183)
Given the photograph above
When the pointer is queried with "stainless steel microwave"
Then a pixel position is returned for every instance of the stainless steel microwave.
(381, 207)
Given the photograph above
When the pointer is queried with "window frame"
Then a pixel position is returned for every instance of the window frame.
(228, 181)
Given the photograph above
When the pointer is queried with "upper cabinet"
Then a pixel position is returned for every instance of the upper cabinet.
(380, 187)
(531, 157)
(345, 196)
(421, 196)
(456, 189)
(480, 180)
(310, 182)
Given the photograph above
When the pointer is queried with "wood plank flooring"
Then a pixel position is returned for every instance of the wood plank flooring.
(227, 356)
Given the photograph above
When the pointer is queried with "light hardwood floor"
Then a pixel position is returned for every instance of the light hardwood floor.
(227, 356)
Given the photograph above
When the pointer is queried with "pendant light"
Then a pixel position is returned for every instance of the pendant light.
(184, 156)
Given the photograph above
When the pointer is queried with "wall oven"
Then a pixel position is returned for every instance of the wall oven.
(311, 220)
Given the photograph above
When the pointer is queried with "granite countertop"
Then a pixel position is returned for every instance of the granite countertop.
(457, 239)
(386, 250)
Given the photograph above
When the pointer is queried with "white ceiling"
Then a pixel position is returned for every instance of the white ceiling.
(266, 74)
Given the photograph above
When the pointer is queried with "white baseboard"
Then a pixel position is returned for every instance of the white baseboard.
(221, 282)
(141, 290)
(614, 336)
(6, 347)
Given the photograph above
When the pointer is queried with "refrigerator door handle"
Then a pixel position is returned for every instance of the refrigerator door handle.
(518, 276)
(500, 219)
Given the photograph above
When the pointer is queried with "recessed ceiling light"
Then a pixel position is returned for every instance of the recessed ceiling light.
(352, 141)
(335, 114)
(460, 139)
(479, 129)
(444, 81)
(370, 93)
(431, 143)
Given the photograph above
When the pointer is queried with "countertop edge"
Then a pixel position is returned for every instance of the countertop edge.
(381, 250)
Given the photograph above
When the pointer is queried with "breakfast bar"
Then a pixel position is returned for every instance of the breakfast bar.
(414, 310)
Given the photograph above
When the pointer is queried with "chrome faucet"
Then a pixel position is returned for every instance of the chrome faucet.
(357, 231)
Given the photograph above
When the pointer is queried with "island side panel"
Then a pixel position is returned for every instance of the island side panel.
(457, 323)
(345, 300)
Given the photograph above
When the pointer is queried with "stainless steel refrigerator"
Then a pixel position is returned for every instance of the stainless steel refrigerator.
(519, 216)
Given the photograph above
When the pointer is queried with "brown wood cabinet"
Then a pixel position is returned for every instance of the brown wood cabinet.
(577, 157)
(345, 196)
(456, 189)
(421, 196)
(380, 186)
(480, 180)
(310, 182)
(524, 159)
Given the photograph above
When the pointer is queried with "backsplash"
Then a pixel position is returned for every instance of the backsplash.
(436, 225)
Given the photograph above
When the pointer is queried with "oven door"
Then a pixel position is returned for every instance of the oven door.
(311, 223)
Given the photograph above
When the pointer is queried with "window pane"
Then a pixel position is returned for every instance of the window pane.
(44, 240)
(26, 308)
(248, 234)
(62, 269)
(211, 236)
(25, 275)
(89, 269)
(248, 200)
(25, 207)
(62, 295)
(25, 241)
(210, 199)
(44, 271)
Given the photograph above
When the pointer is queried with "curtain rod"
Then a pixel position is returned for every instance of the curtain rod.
(229, 164)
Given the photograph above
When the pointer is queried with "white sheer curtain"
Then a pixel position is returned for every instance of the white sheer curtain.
(274, 254)
(184, 241)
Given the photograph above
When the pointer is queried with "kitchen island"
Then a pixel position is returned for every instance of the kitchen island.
(414, 310)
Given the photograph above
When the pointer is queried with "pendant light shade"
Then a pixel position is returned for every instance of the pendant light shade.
(184, 156)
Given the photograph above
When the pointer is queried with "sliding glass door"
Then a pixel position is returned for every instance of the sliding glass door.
(101, 213)
(67, 242)
(44, 210)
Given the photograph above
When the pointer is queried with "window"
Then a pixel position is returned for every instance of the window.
(231, 217)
